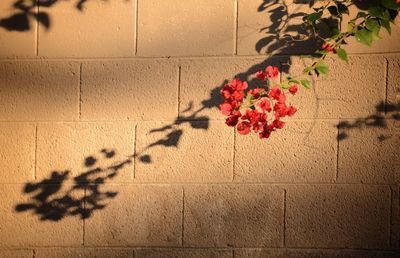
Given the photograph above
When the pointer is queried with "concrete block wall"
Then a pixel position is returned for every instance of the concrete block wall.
(112, 144)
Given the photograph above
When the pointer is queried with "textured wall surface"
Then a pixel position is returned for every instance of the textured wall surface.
(112, 144)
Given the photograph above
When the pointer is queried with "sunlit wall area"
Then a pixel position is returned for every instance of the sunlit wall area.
(113, 144)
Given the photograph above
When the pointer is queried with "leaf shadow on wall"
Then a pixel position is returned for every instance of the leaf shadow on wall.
(54, 198)
(24, 11)
(379, 120)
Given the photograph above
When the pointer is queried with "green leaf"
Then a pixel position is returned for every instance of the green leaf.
(342, 54)
(364, 36)
(321, 67)
(305, 83)
(307, 70)
(361, 15)
(373, 26)
(390, 4)
(376, 11)
(314, 16)
(293, 81)
(342, 8)
(386, 25)
(285, 86)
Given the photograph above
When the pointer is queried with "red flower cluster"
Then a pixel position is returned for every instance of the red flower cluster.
(259, 110)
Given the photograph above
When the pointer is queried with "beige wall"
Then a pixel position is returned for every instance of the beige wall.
(112, 144)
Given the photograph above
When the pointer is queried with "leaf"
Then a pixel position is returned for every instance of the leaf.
(342, 54)
(376, 11)
(313, 17)
(321, 67)
(386, 25)
(373, 26)
(390, 4)
(293, 81)
(305, 83)
(342, 8)
(364, 36)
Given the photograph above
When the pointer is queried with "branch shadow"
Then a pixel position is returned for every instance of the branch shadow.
(53, 199)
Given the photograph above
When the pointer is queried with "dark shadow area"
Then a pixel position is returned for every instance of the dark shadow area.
(54, 198)
(377, 120)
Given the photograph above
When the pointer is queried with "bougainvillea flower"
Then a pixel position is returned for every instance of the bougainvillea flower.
(243, 128)
(226, 108)
(272, 72)
(275, 92)
(291, 111)
(265, 105)
(261, 75)
(293, 89)
(233, 119)
(278, 124)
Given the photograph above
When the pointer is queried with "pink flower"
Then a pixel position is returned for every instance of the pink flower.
(226, 108)
(243, 128)
(261, 75)
(275, 92)
(293, 89)
(265, 105)
(272, 72)
(291, 111)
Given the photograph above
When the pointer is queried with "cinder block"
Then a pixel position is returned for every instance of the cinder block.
(186, 28)
(202, 80)
(368, 152)
(119, 90)
(186, 151)
(17, 154)
(83, 252)
(273, 27)
(17, 30)
(338, 216)
(89, 151)
(304, 253)
(82, 33)
(233, 215)
(353, 90)
(16, 253)
(183, 253)
(138, 216)
(395, 218)
(303, 151)
(35, 215)
(39, 90)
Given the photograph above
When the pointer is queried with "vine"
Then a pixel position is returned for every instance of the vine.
(261, 110)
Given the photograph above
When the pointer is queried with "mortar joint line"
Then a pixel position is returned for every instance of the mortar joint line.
(136, 4)
(37, 29)
(236, 27)
(179, 90)
(35, 156)
(80, 91)
(386, 85)
(234, 156)
(284, 217)
(391, 244)
(337, 154)
(183, 214)
(83, 220)
(134, 152)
